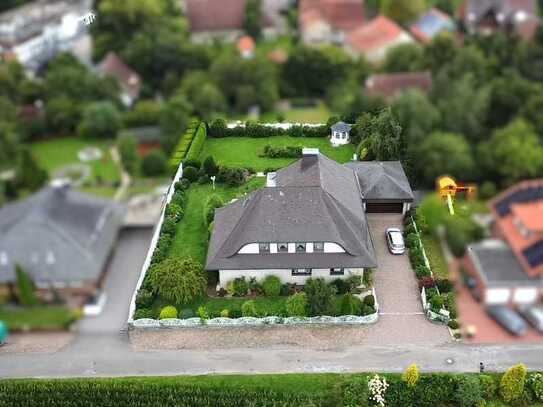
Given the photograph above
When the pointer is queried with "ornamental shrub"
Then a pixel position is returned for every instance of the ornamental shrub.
(231, 176)
(512, 383)
(412, 241)
(144, 298)
(297, 305)
(178, 279)
(238, 287)
(422, 225)
(213, 202)
(248, 309)
(535, 384)
(351, 305)
(468, 393)
(409, 229)
(178, 197)
(168, 312)
(421, 271)
(427, 282)
(182, 185)
(174, 212)
(190, 174)
(225, 313)
(342, 286)
(411, 375)
(378, 386)
(271, 286)
(369, 300)
(209, 166)
(355, 392)
(436, 303)
(367, 310)
(25, 288)
(142, 313)
(203, 179)
(489, 387)
(168, 227)
(192, 162)
(444, 285)
(202, 313)
(355, 281)
(434, 390)
(320, 296)
(453, 324)
(154, 164)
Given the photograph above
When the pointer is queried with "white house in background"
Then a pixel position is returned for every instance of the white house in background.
(340, 134)
(36, 32)
(308, 221)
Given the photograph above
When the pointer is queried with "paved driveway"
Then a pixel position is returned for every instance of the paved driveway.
(401, 319)
(121, 278)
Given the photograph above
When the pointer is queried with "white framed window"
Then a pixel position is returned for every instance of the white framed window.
(300, 247)
(318, 247)
(282, 247)
(50, 258)
(263, 247)
(337, 271)
(301, 272)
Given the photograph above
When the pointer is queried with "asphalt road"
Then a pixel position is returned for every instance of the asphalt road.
(100, 350)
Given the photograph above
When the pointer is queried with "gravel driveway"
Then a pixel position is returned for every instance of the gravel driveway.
(401, 319)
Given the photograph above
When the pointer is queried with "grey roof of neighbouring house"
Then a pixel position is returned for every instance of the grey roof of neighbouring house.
(58, 235)
(341, 126)
(496, 263)
(315, 199)
(382, 181)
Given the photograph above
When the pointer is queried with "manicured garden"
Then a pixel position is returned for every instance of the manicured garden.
(412, 388)
(246, 152)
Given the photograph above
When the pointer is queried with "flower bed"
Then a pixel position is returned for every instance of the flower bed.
(437, 296)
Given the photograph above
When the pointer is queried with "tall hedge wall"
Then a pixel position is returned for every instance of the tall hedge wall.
(218, 129)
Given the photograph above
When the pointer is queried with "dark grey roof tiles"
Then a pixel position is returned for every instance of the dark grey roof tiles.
(382, 180)
(58, 235)
(316, 199)
(341, 126)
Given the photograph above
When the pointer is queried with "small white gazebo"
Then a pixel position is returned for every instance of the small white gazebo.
(340, 134)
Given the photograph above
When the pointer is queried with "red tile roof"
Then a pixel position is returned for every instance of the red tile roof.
(215, 15)
(342, 15)
(378, 33)
(391, 85)
(530, 214)
(129, 80)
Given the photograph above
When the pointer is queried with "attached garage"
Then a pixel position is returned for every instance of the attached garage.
(395, 207)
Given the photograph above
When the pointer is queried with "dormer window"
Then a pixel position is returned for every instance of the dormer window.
(282, 247)
(4, 261)
(263, 247)
(337, 272)
(300, 247)
(318, 247)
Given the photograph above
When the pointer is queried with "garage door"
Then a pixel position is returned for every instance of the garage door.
(384, 207)
(498, 295)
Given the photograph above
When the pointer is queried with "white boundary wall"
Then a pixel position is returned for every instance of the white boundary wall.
(284, 126)
(154, 241)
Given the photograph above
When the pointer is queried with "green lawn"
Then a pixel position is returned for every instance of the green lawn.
(245, 151)
(37, 318)
(435, 256)
(56, 153)
(191, 238)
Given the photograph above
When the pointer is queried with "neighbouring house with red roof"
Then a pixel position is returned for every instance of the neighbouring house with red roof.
(431, 24)
(392, 85)
(129, 80)
(329, 21)
(518, 17)
(374, 39)
(509, 267)
(223, 19)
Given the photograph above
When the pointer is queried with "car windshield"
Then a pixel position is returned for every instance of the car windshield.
(396, 238)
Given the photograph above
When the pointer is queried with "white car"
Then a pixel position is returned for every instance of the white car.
(395, 241)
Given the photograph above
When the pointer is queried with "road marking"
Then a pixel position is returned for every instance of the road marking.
(401, 313)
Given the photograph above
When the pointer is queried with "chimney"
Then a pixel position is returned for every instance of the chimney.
(310, 152)
(61, 185)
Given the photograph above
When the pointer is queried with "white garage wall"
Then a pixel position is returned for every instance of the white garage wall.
(497, 295)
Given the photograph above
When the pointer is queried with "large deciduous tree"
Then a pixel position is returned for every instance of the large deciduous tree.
(380, 136)
(402, 11)
(404, 58)
(174, 119)
(252, 22)
(100, 119)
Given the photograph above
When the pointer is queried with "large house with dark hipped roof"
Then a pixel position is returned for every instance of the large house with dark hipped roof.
(308, 221)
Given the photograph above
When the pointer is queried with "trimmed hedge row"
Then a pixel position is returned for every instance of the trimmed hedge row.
(282, 152)
(183, 146)
(197, 143)
(516, 387)
(219, 129)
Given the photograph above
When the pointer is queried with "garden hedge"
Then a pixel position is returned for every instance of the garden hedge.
(197, 143)
(183, 146)
(218, 129)
(433, 389)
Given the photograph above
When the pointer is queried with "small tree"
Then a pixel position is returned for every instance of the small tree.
(128, 150)
(350, 305)
(512, 383)
(297, 305)
(179, 280)
(210, 167)
(271, 286)
(411, 375)
(320, 296)
(248, 309)
(213, 202)
(100, 119)
(168, 312)
(190, 174)
(154, 164)
(29, 174)
(25, 287)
